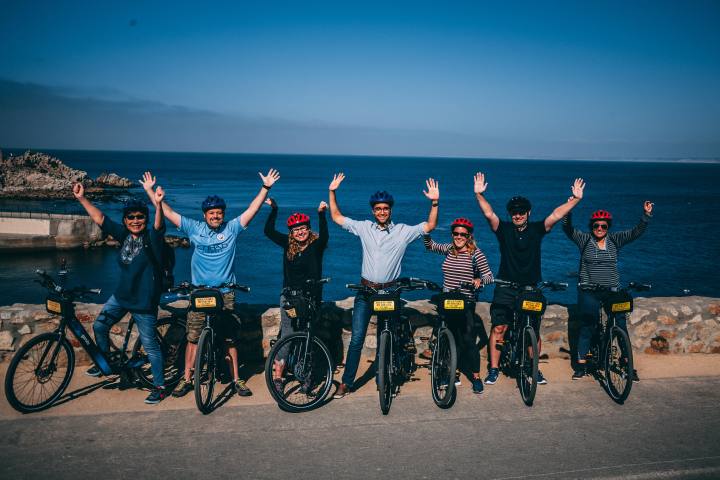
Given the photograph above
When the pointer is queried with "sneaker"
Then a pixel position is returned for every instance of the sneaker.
(341, 391)
(579, 373)
(242, 389)
(156, 396)
(477, 385)
(94, 371)
(635, 377)
(541, 379)
(492, 376)
(457, 381)
(183, 388)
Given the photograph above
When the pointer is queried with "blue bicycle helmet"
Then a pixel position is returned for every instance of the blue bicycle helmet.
(134, 205)
(381, 197)
(213, 201)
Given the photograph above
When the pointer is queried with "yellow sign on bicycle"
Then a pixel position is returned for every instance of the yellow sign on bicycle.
(205, 302)
(54, 307)
(455, 304)
(621, 307)
(384, 305)
(532, 306)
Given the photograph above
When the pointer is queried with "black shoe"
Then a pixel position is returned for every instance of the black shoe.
(156, 396)
(183, 388)
(94, 371)
(579, 373)
(635, 377)
(241, 389)
(541, 379)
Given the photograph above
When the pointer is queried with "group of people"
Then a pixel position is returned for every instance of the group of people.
(383, 246)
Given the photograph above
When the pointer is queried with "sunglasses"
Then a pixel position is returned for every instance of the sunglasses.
(600, 226)
(135, 217)
(461, 234)
(518, 212)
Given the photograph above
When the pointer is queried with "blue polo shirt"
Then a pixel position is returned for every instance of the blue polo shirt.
(214, 255)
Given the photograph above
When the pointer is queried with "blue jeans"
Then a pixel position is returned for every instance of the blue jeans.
(360, 321)
(111, 314)
(589, 308)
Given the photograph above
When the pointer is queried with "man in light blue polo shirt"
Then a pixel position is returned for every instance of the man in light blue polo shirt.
(383, 244)
(212, 265)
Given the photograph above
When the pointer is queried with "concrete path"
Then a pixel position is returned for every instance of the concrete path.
(669, 428)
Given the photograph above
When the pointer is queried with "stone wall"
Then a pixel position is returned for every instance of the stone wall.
(661, 325)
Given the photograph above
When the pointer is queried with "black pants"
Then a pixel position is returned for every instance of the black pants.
(466, 332)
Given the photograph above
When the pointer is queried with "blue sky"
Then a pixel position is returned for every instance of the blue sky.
(500, 79)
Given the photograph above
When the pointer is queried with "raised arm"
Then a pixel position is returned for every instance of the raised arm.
(433, 194)
(479, 187)
(335, 213)
(580, 238)
(276, 237)
(156, 197)
(267, 183)
(432, 246)
(577, 193)
(323, 235)
(623, 238)
(95, 214)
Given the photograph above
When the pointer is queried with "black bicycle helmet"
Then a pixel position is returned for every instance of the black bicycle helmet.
(381, 197)
(213, 201)
(135, 205)
(519, 204)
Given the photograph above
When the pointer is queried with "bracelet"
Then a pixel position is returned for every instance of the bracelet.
(435, 204)
(266, 187)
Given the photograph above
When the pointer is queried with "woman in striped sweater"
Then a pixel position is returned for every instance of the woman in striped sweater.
(598, 265)
(464, 262)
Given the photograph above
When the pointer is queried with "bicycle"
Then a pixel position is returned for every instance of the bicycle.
(42, 368)
(210, 354)
(519, 351)
(395, 344)
(610, 359)
(307, 366)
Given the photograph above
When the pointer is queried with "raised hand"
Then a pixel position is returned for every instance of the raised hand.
(433, 189)
(648, 207)
(78, 190)
(147, 182)
(158, 196)
(336, 181)
(271, 177)
(480, 185)
(322, 207)
(271, 201)
(577, 188)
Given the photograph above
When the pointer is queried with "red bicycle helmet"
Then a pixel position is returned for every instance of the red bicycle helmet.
(601, 215)
(462, 222)
(297, 219)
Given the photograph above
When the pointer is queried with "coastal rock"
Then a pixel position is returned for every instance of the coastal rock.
(112, 180)
(6, 341)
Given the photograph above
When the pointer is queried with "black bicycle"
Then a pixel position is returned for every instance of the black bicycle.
(42, 368)
(305, 365)
(519, 351)
(209, 359)
(396, 347)
(610, 359)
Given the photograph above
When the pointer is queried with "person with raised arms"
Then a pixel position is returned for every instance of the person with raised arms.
(212, 265)
(383, 245)
(520, 254)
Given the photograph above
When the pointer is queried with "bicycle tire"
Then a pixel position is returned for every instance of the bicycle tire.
(172, 339)
(384, 372)
(308, 374)
(25, 363)
(527, 373)
(618, 365)
(442, 369)
(205, 371)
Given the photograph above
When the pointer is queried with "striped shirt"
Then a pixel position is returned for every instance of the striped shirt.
(598, 265)
(463, 267)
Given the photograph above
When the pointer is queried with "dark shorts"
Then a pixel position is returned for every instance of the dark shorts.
(503, 306)
(228, 326)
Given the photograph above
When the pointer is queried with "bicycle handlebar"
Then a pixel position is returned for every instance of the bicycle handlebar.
(554, 286)
(49, 283)
(639, 287)
(405, 283)
(187, 287)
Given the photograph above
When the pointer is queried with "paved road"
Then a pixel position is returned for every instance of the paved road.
(667, 429)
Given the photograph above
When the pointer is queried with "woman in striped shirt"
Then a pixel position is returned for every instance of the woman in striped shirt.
(464, 262)
(598, 265)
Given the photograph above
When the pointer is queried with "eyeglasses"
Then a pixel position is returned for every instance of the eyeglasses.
(518, 212)
(381, 209)
(139, 216)
(461, 234)
(302, 229)
(600, 226)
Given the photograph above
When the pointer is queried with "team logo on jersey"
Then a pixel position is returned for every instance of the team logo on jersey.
(221, 236)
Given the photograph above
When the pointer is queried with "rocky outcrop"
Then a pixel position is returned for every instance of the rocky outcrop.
(35, 175)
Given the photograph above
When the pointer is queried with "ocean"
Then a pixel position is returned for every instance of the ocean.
(678, 254)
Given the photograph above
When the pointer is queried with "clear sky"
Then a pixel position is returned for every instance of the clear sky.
(578, 79)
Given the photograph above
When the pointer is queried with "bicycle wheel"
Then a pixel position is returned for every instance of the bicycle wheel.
(171, 337)
(39, 373)
(618, 365)
(307, 376)
(442, 369)
(527, 365)
(384, 372)
(205, 371)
